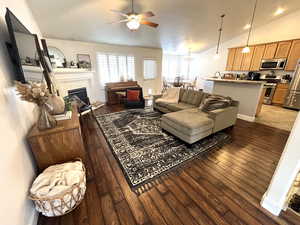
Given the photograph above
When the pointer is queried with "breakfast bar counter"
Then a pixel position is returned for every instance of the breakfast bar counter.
(249, 93)
(236, 81)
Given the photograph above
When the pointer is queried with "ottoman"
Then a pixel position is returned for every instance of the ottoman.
(189, 125)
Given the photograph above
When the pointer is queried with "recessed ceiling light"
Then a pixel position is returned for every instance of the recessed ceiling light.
(247, 26)
(279, 11)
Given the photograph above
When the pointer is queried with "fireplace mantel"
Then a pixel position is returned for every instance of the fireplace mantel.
(67, 78)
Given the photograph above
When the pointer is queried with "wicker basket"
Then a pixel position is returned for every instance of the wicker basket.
(64, 202)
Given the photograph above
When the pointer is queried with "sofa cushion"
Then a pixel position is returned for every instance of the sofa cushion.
(180, 106)
(189, 122)
(162, 103)
(185, 137)
(182, 90)
(192, 97)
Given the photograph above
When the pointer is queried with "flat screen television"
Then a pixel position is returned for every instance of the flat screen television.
(24, 50)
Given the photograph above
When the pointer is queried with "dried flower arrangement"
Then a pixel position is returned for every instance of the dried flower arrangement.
(38, 93)
(33, 92)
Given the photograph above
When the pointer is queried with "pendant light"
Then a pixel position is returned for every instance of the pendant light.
(217, 55)
(247, 49)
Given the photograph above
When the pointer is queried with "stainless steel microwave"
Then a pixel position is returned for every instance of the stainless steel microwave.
(273, 64)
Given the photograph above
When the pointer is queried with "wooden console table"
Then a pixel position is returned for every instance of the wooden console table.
(58, 145)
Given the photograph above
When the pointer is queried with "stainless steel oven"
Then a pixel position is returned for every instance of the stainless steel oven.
(270, 90)
(273, 64)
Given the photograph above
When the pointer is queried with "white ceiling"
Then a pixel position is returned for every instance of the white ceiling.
(183, 23)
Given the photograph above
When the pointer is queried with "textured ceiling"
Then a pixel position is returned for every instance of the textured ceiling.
(182, 23)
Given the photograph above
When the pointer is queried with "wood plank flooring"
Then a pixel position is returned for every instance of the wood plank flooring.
(224, 188)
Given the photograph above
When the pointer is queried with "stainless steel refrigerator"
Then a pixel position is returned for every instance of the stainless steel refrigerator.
(293, 97)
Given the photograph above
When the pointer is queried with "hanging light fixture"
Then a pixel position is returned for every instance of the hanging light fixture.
(217, 55)
(134, 22)
(247, 49)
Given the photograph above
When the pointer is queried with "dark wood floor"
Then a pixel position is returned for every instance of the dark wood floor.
(224, 188)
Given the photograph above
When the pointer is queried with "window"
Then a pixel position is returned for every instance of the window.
(115, 68)
(150, 69)
(179, 65)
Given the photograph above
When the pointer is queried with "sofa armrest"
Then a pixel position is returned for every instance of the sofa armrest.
(223, 117)
(155, 97)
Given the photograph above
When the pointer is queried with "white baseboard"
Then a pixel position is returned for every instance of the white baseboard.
(271, 206)
(245, 117)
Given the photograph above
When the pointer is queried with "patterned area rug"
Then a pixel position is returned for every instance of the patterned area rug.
(144, 150)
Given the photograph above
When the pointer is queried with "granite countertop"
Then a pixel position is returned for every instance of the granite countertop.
(237, 81)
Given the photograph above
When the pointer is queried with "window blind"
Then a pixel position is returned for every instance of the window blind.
(115, 68)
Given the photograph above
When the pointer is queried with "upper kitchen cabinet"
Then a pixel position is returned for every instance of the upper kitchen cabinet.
(237, 63)
(283, 49)
(294, 56)
(230, 59)
(270, 51)
(258, 54)
(246, 62)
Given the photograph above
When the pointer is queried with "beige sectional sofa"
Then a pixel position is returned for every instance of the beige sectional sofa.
(186, 121)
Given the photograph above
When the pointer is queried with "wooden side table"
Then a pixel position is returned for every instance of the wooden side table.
(58, 145)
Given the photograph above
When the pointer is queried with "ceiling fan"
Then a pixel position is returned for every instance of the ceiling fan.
(134, 20)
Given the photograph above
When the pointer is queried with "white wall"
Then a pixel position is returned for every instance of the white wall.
(72, 48)
(284, 28)
(16, 165)
(285, 173)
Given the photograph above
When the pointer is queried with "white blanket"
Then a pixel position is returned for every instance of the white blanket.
(56, 179)
(170, 96)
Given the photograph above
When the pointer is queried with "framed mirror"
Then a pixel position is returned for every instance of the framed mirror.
(57, 57)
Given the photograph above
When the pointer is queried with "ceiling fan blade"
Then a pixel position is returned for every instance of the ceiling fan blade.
(147, 14)
(120, 21)
(151, 24)
(119, 12)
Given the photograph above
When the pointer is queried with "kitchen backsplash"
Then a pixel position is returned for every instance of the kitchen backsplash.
(278, 73)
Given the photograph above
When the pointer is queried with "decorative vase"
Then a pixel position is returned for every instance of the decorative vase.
(46, 120)
(57, 104)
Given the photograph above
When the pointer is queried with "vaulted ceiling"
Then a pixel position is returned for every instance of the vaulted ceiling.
(181, 22)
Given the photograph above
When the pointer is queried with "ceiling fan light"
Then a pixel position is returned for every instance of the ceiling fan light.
(133, 24)
(246, 50)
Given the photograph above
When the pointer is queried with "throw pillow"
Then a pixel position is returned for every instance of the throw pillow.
(185, 96)
(133, 95)
(213, 102)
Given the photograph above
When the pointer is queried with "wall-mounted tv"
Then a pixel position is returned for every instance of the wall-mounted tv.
(24, 50)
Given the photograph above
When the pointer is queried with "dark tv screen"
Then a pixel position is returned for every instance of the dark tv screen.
(23, 50)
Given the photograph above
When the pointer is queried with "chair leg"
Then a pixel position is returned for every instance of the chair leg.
(92, 112)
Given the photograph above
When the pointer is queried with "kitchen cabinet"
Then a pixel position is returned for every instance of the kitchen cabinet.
(270, 51)
(237, 63)
(283, 49)
(280, 93)
(230, 59)
(246, 62)
(294, 56)
(258, 53)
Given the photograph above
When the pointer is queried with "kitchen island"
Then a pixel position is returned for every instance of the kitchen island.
(249, 93)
